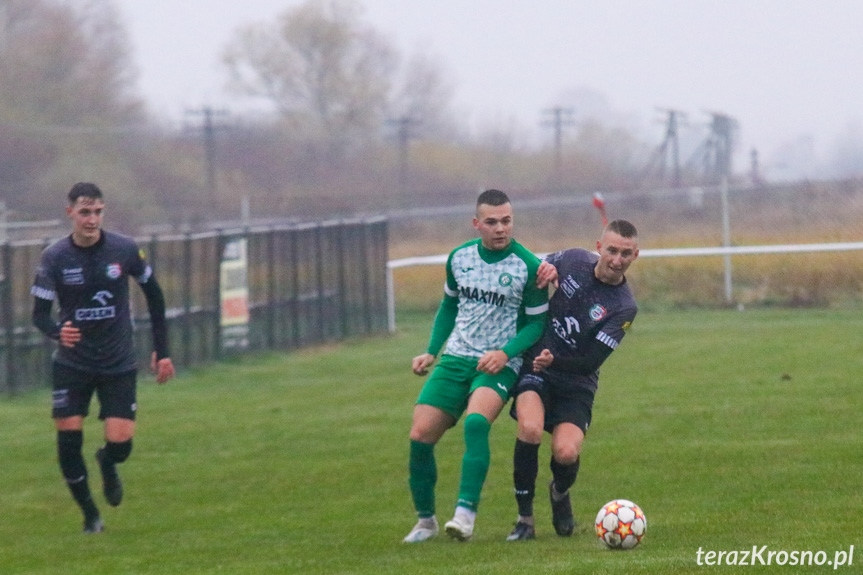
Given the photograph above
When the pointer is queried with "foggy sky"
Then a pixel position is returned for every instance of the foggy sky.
(787, 70)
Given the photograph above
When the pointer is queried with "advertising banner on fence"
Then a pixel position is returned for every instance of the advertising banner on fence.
(234, 289)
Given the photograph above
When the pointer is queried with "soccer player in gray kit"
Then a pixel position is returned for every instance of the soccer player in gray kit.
(588, 316)
(87, 273)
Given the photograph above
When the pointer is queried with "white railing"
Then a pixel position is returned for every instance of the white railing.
(646, 253)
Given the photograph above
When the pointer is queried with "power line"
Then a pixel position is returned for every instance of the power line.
(208, 134)
(404, 134)
(560, 119)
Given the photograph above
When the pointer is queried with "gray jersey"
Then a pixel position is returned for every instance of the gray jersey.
(586, 317)
(91, 287)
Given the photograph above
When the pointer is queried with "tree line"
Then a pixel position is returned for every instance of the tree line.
(356, 125)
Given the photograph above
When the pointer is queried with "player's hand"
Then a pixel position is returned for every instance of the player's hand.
(492, 362)
(69, 335)
(542, 361)
(421, 363)
(546, 275)
(163, 368)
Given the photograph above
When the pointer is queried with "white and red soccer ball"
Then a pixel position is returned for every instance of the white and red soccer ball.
(620, 524)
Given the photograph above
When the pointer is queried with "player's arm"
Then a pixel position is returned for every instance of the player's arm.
(161, 363)
(67, 334)
(589, 359)
(444, 323)
(535, 311)
(579, 364)
(42, 318)
(44, 294)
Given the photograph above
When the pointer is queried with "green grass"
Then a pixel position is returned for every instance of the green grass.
(729, 429)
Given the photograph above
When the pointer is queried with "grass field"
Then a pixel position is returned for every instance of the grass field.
(730, 429)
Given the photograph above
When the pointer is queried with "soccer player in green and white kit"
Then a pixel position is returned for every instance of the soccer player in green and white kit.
(493, 310)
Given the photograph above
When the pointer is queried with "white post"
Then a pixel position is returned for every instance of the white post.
(245, 211)
(726, 240)
(391, 300)
(2, 222)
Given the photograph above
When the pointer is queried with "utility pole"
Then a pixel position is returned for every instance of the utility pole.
(716, 149)
(404, 134)
(721, 139)
(208, 135)
(671, 140)
(755, 169)
(560, 119)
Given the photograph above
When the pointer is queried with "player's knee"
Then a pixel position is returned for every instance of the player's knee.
(118, 430)
(476, 423)
(566, 454)
(419, 434)
(425, 433)
(530, 431)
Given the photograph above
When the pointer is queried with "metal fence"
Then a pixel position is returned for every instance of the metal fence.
(307, 284)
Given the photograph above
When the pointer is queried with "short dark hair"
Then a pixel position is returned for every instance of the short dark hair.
(622, 228)
(492, 198)
(84, 190)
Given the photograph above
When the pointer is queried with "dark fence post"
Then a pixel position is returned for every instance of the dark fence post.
(321, 286)
(295, 288)
(270, 307)
(344, 314)
(217, 297)
(187, 300)
(364, 275)
(8, 318)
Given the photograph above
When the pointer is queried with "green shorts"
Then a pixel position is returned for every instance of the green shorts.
(453, 380)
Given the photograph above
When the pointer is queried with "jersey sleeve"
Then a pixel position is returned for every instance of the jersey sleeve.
(139, 268)
(156, 308)
(535, 306)
(444, 321)
(44, 286)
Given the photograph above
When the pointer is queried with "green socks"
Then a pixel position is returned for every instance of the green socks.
(423, 477)
(476, 460)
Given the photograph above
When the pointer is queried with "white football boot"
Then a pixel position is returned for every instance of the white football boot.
(425, 529)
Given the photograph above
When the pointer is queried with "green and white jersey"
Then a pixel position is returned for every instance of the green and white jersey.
(496, 292)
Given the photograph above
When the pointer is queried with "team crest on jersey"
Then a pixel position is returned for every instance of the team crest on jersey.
(597, 312)
(114, 271)
(505, 279)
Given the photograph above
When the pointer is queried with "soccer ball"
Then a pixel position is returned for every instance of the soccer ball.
(620, 524)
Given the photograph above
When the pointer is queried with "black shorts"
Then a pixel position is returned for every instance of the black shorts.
(73, 390)
(562, 401)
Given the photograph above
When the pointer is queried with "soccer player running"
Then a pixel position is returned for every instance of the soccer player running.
(588, 317)
(88, 273)
(492, 311)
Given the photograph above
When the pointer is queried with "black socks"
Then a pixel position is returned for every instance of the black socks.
(74, 470)
(525, 466)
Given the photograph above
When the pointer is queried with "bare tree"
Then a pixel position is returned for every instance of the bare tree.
(324, 70)
(423, 95)
(64, 63)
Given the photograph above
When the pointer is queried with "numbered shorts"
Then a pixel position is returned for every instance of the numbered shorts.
(562, 400)
(74, 388)
(453, 380)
